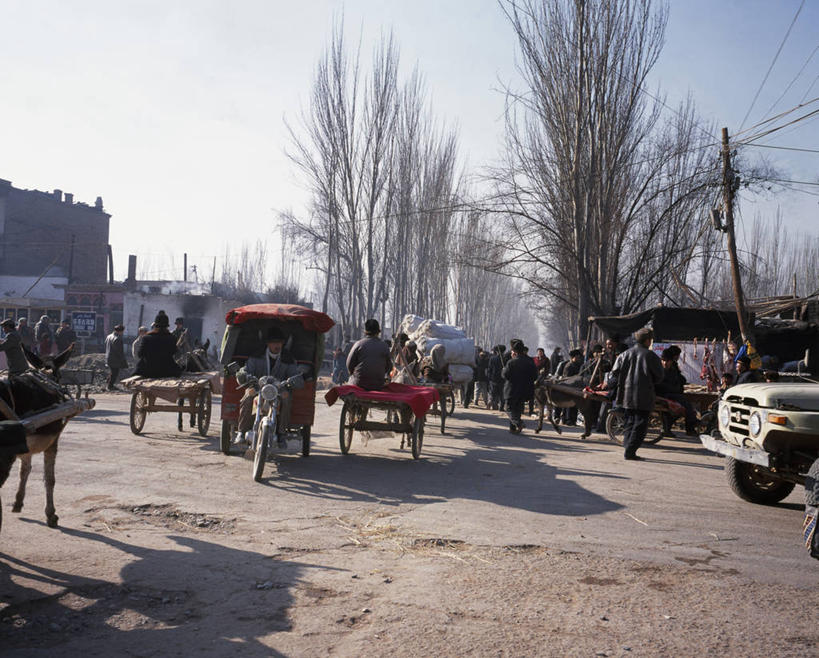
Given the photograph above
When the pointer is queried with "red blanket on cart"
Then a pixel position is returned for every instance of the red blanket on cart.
(419, 398)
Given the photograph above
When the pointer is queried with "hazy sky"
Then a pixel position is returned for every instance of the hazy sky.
(173, 111)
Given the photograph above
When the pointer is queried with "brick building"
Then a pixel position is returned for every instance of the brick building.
(49, 231)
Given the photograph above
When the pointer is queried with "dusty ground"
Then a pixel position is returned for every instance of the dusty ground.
(491, 544)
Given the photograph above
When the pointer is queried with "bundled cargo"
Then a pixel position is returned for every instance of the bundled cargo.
(458, 350)
(435, 329)
(460, 373)
(410, 324)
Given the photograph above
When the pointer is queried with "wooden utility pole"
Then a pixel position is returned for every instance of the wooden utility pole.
(728, 183)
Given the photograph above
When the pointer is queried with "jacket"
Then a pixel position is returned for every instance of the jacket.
(520, 374)
(115, 351)
(637, 371)
(64, 337)
(156, 355)
(494, 369)
(369, 363)
(12, 345)
(481, 366)
(672, 382)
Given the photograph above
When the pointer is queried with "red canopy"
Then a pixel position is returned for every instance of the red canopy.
(311, 320)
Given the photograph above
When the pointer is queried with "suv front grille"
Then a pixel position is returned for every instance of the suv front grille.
(739, 419)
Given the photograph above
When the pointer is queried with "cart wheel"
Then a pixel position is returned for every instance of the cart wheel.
(261, 454)
(450, 402)
(615, 425)
(655, 428)
(203, 413)
(345, 429)
(138, 413)
(442, 404)
(305, 440)
(226, 436)
(417, 436)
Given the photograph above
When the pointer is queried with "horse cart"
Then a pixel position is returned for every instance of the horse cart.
(245, 335)
(190, 394)
(405, 406)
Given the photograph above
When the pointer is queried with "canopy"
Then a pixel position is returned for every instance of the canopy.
(673, 323)
(311, 320)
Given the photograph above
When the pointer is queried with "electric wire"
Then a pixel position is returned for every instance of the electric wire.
(795, 78)
(773, 63)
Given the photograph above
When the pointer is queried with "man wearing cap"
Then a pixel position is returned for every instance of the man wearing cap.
(369, 360)
(275, 363)
(519, 374)
(115, 355)
(12, 345)
(637, 371)
(156, 351)
(64, 336)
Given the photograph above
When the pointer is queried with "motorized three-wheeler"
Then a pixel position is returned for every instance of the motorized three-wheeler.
(245, 333)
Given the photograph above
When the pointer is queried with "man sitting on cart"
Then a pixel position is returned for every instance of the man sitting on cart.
(369, 361)
(155, 352)
(279, 365)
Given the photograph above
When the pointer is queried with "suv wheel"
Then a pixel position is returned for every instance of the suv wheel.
(755, 484)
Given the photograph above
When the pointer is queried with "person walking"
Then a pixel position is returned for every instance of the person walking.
(556, 359)
(519, 374)
(43, 336)
(26, 334)
(339, 367)
(115, 355)
(482, 379)
(494, 372)
(64, 336)
(137, 342)
(637, 371)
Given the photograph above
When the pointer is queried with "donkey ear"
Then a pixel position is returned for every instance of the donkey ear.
(33, 359)
(62, 357)
(206, 345)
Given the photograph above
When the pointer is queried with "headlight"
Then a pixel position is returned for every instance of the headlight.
(755, 424)
(724, 415)
(269, 392)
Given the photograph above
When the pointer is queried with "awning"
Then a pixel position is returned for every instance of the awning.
(673, 323)
(311, 320)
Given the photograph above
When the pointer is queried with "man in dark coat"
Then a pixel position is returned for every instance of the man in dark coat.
(64, 336)
(43, 336)
(672, 386)
(481, 378)
(556, 359)
(12, 345)
(494, 371)
(519, 375)
(115, 355)
(744, 373)
(637, 371)
(369, 360)
(26, 334)
(157, 350)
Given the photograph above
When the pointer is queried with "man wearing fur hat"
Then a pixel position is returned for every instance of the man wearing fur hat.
(519, 375)
(637, 371)
(369, 360)
(157, 350)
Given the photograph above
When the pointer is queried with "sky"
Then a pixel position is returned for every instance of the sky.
(174, 111)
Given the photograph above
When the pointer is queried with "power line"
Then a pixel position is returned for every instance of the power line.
(793, 182)
(795, 78)
(753, 138)
(784, 148)
(770, 68)
(778, 116)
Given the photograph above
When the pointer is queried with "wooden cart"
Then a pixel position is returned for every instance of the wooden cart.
(190, 394)
(400, 419)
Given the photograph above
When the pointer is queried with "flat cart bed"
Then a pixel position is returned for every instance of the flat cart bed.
(406, 408)
(190, 393)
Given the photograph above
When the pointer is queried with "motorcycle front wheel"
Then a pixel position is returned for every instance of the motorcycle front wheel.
(260, 455)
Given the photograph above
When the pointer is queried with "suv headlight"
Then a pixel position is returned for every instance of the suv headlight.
(755, 424)
(724, 415)
(269, 392)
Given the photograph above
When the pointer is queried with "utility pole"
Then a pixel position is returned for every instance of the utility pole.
(728, 189)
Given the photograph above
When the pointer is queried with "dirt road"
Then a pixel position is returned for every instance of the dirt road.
(490, 544)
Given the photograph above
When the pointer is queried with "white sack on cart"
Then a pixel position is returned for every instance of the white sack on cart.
(460, 373)
(461, 350)
(435, 329)
(409, 325)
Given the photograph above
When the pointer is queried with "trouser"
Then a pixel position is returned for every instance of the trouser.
(247, 416)
(482, 390)
(570, 416)
(515, 406)
(636, 426)
(602, 416)
(469, 393)
(496, 395)
(690, 414)
(112, 377)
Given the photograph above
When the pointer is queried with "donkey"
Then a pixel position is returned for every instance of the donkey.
(196, 360)
(21, 396)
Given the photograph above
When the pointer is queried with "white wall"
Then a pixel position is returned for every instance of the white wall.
(16, 286)
(212, 310)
